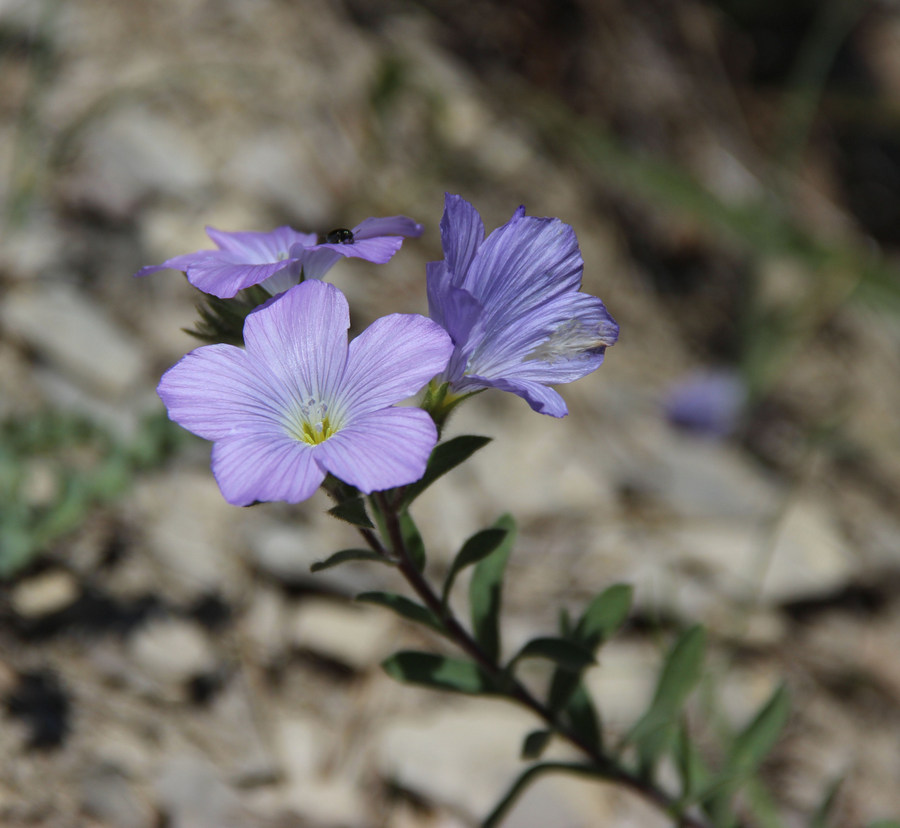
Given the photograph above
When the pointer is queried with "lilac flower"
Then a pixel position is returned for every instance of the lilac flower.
(275, 259)
(708, 403)
(298, 402)
(512, 305)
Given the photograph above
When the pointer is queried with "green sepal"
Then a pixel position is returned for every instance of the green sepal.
(222, 320)
(477, 547)
(404, 607)
(485, 591)
(346, 555)
(439, 673)
(445, 457)
(535, 744)
(570, 655)
(352, 511)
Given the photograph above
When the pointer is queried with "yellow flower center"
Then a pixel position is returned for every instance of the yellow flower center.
(309, 423)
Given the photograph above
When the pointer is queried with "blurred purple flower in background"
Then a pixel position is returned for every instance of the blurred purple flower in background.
(708, 402)
(275, 259)
(298, 402)
(512, 305)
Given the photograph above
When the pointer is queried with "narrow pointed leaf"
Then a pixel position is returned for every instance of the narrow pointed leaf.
(535, 744)
(439, 672)
(346, 555)
(604, 615)
(822, 816)
(352, 511)
(581, 714)
(690, 765)
(445, 457)
(412, 540)
(485, 591)
(404, 607)
(655, 730)
(479, 546)
(759, 737)
(567, 654)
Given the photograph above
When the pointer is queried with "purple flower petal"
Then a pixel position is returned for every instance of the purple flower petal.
(301, 337)
(512, 305)
(260, 467)
(296, 402)
(381, 449)
(394, 358)
(389, 226)
(378, 250)
(462, 232)
(260, 248)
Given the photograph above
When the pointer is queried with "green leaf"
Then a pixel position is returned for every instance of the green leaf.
(691, 767)
(479, 546)
(567, 654)
(654, 732)
(349, 555)
(352, 511)
(822, 816)
(581, 714)
(485, 591)
(412, 540)
(747, 752)
(604, 615)
(759, 737)
(439, 672)
(535, 743)
(404, 607)
(445, 457)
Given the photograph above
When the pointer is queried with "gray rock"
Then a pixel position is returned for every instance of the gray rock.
(43, 594)
(110, 797)
(76, 336)
(191, 794)
(168, 654)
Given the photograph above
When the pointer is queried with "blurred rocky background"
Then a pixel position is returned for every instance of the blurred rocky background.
(732, 170)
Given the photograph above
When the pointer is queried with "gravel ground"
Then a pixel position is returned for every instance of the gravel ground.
(169, 660)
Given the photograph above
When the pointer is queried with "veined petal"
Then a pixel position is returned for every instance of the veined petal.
(393, 359)
(462, 232)
(224, 279)
(559, 341)
(216, 392)
(542, 399)
(317, 261)
(265, 467)
(378, 250)
(388, 226)
(260, 248)
(182, 262)
(301, 336)
(381, 449)
(525, 262)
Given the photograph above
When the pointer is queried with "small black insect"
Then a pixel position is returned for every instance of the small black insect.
(339, 236)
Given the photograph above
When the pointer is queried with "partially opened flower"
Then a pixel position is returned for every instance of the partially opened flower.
(512, 305)
(298, 402)
(275, 259)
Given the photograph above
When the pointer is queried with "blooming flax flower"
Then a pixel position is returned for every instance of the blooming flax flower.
(512, 305)
(275, 259)
(298, 402)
